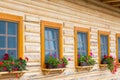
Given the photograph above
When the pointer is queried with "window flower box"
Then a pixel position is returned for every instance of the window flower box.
(53, 64)
(54, 70)
(83, 68)
(11, 66)
(12, 74)
(110, 63)
(85, 62)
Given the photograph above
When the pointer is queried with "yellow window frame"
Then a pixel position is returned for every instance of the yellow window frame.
(50, 25)
(19, 20)
(79, 29)
(99, 46)
(117, 36)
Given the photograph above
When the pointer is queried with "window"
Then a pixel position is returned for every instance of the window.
(103, 44)
(51, 40)
(118, 47)
(11, 35)
(82, 42)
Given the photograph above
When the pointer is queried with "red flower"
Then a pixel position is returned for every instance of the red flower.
(12, 63)
(26, 58)
(105, 56)
(20, 58)
(110, 56)
(1, 63)
(15, 69)
(20, 63)
(69, 59)
(4, 68)
(50, 55)
(6, 56)
(59, 65)
(91, 54)
(63, 65)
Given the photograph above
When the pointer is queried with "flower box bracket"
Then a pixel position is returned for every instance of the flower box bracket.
(54, 70)
(103, 66)
(83, 68)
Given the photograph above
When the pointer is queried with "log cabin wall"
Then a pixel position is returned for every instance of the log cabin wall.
(69, 15)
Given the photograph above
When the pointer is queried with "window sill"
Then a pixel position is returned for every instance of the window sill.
(103, 66)
(83, 68)
(54, 70)
(5, 74)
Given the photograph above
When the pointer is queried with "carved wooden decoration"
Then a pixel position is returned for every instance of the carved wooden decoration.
(103, 66)
(56, 70)
(83, 68)
(13, 74)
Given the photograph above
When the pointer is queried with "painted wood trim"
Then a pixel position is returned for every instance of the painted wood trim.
(79, 29)
(99, 50)
(55, 26)
(19, 20)
(117, 36)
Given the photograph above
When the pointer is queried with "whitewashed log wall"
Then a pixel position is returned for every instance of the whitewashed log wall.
(70, 15)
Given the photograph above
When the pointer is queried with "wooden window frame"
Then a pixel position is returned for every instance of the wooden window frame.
(99, 46)
(79, 29)
(117, 36)
(19, 20)
(55, 26)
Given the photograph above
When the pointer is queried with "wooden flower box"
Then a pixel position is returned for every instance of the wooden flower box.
(54, 70)
(103, 66)
(13, 74)
(83, 68)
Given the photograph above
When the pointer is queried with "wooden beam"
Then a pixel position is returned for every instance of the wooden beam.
(116, 4)
(110, 1)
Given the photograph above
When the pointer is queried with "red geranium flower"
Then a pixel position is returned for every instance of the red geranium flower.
(26, 58)
(69, 59)
(105, 56)
(1, 63)
(50, 55)
(4, 68)
(12, 63)
(20, 58)
(6, 56)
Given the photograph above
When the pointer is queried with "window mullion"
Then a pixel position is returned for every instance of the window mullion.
(6, 37)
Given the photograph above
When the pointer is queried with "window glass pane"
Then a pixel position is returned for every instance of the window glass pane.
(104, 45)
(12, 42)
(82, 43)
(52, 45)
(47, 47)
(12, 53)
(12, 28)
(51, 34)
(2, 27)
(46, 33)
(55, 54)
(2, 52)
(2, 41)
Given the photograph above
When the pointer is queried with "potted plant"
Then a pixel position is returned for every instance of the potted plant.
(62, 62)
(85, 60)
(10, 64)
(52, 61)
(82, 60)
(111, 63)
